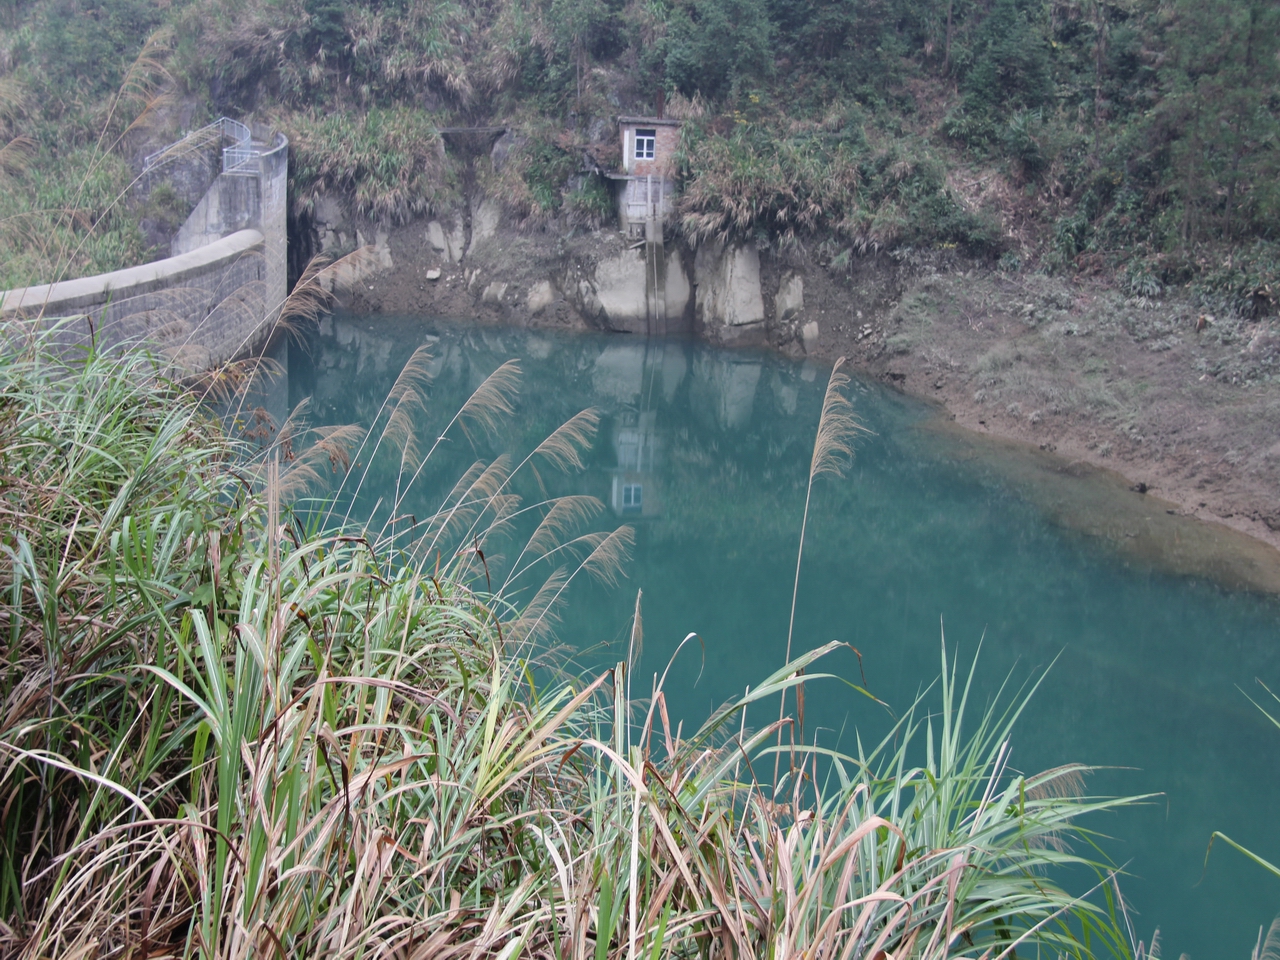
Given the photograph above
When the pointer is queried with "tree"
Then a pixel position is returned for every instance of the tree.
(714, 45)
(1010, 61)
(1222, 81)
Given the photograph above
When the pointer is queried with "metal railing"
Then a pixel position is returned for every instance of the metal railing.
(236, 156)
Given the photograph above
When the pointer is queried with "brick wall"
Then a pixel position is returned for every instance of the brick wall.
(667, 138)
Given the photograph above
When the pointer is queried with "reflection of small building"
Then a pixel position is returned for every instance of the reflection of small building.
(645, 188)
(634, 491)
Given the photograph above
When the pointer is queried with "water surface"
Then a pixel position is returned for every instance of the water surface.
(1157, 623)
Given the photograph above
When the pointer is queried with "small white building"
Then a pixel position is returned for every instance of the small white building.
(645, 189)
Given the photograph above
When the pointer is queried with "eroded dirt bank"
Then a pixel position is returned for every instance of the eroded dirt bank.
(1187, 407)
(1184, 405)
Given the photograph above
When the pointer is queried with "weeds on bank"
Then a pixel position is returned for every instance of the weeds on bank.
(225, 735)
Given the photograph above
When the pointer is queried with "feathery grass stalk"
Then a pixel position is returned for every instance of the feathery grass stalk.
(270, 745)
(837, 426)
(832, 447)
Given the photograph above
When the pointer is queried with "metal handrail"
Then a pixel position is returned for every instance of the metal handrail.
(235, 156)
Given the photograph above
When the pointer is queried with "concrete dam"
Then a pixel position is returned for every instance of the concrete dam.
(218, 294)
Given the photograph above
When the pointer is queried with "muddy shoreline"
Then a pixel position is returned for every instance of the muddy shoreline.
(1189, 418)
(1184, 406)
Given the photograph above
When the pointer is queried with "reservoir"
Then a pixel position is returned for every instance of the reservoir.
(1155, 629)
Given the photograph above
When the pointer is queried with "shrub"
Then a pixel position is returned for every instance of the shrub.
(1010, 65)
(83, 49)
(591, 204)
(390, 162)
(752, 180)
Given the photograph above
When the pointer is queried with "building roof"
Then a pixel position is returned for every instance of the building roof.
(650, 121)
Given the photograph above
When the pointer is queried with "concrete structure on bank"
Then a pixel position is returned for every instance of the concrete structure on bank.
(645, 194)
(218, 294)
(645, 188)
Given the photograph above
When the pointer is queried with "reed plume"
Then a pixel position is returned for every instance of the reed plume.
(14, 99)
(605, 563)
(1268, 948)
(332, 451)
(832, 450)
(565, 514)
(15, 156)
(562, 448)
(565, 445)
(492, 401)
(321, 279)
(484, 410)
(537, 618)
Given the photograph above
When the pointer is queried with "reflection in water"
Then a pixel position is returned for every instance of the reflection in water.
(634, 491)
(706, 454)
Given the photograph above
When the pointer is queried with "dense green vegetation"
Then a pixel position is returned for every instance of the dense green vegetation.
(1133, 137)
(230, 732)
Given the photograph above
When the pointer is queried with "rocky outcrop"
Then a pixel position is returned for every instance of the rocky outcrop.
(619, 289)
(449, 242)
(486, 214)
(541, 296)
(789, 301)
(728, 288)
(469, 261)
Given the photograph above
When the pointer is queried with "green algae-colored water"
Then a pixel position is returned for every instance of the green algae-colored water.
(1158, 627)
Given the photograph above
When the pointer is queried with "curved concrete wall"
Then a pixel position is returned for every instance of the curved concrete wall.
(216, 299)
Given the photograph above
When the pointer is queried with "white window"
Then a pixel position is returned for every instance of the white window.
(631, 496)
(645, 141)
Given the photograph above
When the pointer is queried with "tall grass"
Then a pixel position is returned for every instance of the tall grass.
(791, 181)
(391, 162)
(65, 205)
(227, 736)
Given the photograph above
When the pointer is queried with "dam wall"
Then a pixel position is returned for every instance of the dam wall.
(219, 293)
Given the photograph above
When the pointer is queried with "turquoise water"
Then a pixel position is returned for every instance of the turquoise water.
(706, 453)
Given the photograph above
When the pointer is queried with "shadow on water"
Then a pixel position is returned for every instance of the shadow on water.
(1156, 622)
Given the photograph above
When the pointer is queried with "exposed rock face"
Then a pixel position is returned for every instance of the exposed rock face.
(495, 292)
(613, 293)
(728, 280)
(678, 289)
(455, 262)
(809, 332)
(378, 260)
(619, 287)
(485, 217)
(790, 299)
(448, 243)
(541, 296)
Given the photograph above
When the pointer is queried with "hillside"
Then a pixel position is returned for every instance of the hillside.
(1132, 139)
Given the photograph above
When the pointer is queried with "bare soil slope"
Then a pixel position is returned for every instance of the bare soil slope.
(1187, 406)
